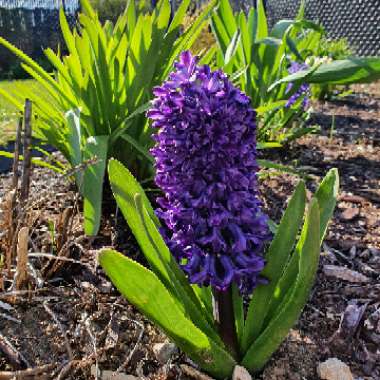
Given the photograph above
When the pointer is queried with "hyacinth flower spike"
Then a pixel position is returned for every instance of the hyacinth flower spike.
(207, 242)
(205, 156)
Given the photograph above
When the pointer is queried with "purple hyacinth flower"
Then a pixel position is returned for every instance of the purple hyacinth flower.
(304, 89)
(205, 160)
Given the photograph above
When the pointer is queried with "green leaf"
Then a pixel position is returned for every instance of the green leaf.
(204, 294)
(178, 284)
(262, 25)
(276, 257)
(269, 340)
(140, 217)
(144, 290)
(238, 306)
(35, 161)
(227, 15)
(346, 71)
(96, 147)
(281, 168)
(125, 187)
(74, 139)
(268, 145)
(231, 49)
(326, 196)
(179, 15)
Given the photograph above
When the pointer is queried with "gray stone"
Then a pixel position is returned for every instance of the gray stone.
(334, 369)
(240, 373)
(164, 351)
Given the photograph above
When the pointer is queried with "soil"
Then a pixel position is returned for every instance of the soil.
(72, 318)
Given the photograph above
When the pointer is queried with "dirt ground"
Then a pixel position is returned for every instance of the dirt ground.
(71, 318)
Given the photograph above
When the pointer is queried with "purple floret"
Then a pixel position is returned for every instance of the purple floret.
(205, 160)
(303, 91)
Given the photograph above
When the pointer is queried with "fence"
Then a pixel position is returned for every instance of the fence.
(31, 25)
(356, 20)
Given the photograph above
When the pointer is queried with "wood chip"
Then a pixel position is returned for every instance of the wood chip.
(345, 274)
(349, 214)
(352, 198)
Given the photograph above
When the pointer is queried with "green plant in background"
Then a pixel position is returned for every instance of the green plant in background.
(9, 113)
(326, 51)
(256, 57)
(258, 60)
(100, 89)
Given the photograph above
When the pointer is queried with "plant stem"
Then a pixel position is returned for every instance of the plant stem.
(225, 319)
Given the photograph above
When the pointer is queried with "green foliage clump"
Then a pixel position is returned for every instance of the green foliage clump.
(258, 58)
(100, 90)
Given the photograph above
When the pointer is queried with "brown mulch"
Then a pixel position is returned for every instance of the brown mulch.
(72, 318)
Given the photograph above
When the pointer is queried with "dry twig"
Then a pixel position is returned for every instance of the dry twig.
(15, 357)
(40, 373)
(21, 277)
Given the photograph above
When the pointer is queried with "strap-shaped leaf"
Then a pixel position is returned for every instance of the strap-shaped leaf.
(326, 196)
(276, 257)
(269, 340)
(178, 284)
(238, 306)
(125, 188)
(262, 24)
(96, 146)
(144, 290)
(227, 15)
(346, 71)
(179, 15)
(232, 47)
(74, 139)
(205, 296)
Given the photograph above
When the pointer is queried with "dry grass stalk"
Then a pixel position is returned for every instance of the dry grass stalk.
(40, 373)
(63, 227)
(63, 245)
(6, 225)
(27, 142)
(22, 276)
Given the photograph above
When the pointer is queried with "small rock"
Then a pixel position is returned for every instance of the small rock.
(334, 369)
(240, 373)
(164, 351)
(349, 214)
(111, 375)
